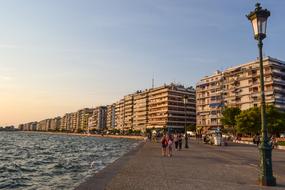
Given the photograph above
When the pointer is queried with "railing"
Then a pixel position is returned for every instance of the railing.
(278, 80)
(278, 88)
(278, 71)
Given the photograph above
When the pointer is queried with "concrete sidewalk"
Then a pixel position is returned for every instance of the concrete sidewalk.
(201, 167)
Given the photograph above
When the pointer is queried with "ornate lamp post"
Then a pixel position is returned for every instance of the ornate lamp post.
(185, 100)
(258, 19)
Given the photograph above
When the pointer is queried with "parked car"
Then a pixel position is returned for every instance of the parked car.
(191, 133)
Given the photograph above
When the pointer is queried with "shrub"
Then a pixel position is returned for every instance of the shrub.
(281, 143)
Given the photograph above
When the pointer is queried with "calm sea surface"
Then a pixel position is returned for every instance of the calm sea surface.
(45, 161)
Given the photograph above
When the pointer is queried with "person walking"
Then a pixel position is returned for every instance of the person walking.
(257, 140)
(179, 141)
(199, 137)
(170, 142)
(175, 139)
(273, 141)
(164, 144)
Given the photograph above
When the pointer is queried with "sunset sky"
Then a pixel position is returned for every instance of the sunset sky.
(58, 56)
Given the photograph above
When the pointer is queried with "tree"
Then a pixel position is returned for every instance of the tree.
(191, 127)
(248, 121)
(275, 120)
(229, 118)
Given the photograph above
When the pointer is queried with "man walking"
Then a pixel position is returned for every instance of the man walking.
(175, 137)
(179, 141)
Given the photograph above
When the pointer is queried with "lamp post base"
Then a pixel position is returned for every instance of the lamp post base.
(266, 177)
(267, 181)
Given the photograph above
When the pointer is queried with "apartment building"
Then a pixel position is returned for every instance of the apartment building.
(66, 122)
(239, 87)
(140, 110)
(82, 117)
(124, 113)
(110, 117)
(43, 125)
(119, 114)
(55, 124)
(128, 111)
(74, 121)
(31, 126)
(97, 121)
(160, 107)
(21, 127)
(166, 107)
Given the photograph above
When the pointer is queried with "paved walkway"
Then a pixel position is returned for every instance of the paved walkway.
(201, 167)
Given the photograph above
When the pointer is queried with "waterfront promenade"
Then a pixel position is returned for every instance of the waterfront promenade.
(201, 167)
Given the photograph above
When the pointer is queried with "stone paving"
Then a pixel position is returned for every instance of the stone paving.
(201, 167)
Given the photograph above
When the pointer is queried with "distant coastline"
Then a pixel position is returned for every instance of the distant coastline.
(9, 129)
(89, 135)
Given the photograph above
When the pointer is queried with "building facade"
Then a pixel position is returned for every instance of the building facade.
(55, 124)
(43, 125)
(239, 87)
(140, 110)
(83, 116)
(166, 108)
(128, 112)
(110, 117)
(97, 121)
(31, 126)
(160, 107)
(119, 114)
(66, 122)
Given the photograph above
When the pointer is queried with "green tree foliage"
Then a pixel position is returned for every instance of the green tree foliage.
(229, 118)
(248, 121)
(275, 120)
(191, 128)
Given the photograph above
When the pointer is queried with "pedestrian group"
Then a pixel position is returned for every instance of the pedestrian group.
(167, 142)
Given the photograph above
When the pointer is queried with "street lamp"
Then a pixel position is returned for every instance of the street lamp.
(185, 100)
(258, 19)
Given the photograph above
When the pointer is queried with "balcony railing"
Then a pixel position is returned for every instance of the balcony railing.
(278, 72)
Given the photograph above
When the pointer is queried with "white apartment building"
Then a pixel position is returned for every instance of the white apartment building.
(239, 87)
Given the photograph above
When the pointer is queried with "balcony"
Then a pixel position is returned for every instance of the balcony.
(276, 71)
(214, 116)
(202, 83)
(157, 111)
(159, 96)
(217, 93)
(268, 92)
(215, 101)
(214, 87)
(280, 89)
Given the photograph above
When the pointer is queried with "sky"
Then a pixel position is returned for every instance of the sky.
(58, 56)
